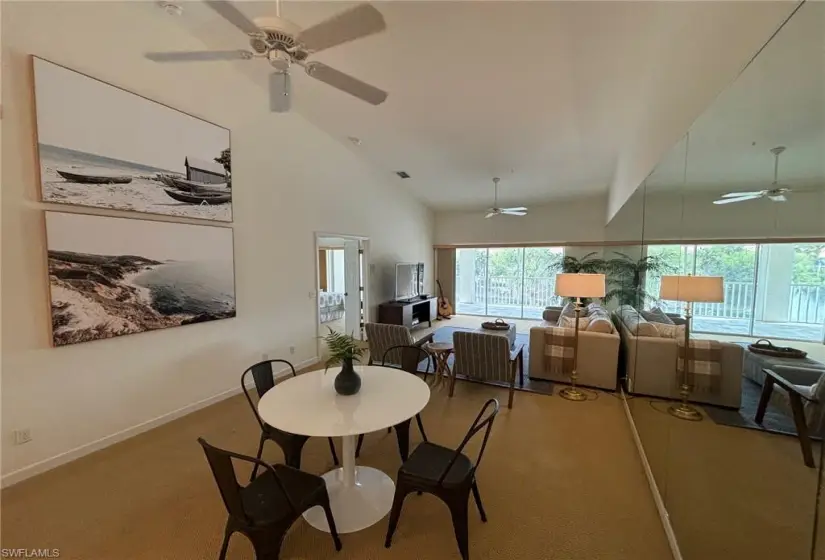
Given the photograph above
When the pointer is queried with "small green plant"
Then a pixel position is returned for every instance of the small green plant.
(342, 347)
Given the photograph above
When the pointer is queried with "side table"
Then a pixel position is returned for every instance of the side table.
(441, 352)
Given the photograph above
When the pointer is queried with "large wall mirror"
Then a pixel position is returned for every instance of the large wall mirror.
(732, 223)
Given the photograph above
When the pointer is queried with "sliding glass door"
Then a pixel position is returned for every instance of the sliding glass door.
(790, 294)
(511, 282)
(774, 290)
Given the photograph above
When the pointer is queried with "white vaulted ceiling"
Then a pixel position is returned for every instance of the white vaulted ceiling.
(562, 93)
(779, 100)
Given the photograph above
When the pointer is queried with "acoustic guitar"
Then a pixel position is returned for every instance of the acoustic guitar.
(445, 310)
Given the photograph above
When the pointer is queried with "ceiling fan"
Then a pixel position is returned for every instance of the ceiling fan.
(775, 193)
(282, 44)
(495, 210)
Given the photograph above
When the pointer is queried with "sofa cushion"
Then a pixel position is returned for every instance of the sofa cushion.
(570, 322)
(600, 325)
(670, 330)
(656, 315)
(599, 319)
(569, 310)
(635, 323)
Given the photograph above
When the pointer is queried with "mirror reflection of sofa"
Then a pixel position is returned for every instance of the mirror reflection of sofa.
(650, 361)
(598, 355)
(331, 305)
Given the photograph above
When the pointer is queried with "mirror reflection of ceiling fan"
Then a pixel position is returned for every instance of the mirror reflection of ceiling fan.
(495, 210)
(282, 43)
(775, 193)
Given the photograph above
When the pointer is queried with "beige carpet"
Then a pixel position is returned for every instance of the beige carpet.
(560, 480)
(730, 492)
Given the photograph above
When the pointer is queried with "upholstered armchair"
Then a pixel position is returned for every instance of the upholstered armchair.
(381, 337)
(800, 393)
(488, 357)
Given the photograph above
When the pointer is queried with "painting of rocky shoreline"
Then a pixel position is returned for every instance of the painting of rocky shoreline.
(114, 276)
(105, 147)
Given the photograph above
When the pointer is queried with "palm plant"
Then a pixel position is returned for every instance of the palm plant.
(588, 264)
(626, 277)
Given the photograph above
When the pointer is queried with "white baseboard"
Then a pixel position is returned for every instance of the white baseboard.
(654, 488)
(61, 459)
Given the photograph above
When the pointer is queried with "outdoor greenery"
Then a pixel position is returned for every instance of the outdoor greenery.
(737, 263)
(626, 278)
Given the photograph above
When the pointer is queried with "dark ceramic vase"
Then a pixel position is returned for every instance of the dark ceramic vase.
(347, 382)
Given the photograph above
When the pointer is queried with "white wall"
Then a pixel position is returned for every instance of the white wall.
(694, 216)
(291, 180)
(579, 219)
(678, 90)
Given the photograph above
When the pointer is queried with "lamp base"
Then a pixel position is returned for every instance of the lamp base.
(685, 412)
(572, 394)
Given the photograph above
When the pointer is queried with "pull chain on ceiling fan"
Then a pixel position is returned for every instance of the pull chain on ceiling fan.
(775, 193)
(495, 210)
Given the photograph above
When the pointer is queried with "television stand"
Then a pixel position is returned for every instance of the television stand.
(412, 313)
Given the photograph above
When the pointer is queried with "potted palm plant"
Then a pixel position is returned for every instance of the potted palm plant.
(626, 277)
(588, 264)
(344, 349)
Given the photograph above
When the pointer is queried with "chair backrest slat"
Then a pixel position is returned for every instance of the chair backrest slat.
(220, 461)
(482, 355)
(409, 358)
(482, 422)
(382, 337)
(263, 376)
(224, 473)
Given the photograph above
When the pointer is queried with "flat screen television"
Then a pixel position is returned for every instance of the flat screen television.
(409, 279)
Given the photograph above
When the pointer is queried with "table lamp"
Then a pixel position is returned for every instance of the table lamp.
(578, 286)
(690, 289)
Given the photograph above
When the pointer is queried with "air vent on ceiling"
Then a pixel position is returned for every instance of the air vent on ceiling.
(403, 174)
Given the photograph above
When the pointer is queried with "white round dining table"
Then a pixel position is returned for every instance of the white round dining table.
(308, 405)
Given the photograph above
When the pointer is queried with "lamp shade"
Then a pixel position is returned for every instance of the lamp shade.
(580, 285)
(693, 288)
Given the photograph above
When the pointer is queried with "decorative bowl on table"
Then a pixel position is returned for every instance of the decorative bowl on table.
(497, 325)
(766, 347)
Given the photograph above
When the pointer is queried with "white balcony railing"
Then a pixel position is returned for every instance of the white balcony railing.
(806, 301)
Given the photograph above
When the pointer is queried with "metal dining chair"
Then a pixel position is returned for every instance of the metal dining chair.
(291, 444)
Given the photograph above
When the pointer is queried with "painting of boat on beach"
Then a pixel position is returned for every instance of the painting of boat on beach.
(114, 276)
(105, 147)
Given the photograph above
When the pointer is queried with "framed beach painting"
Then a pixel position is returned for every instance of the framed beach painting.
(114, 276)
(102, 146)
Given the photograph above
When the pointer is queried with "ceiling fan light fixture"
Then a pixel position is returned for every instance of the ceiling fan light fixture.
(171, 8)
(283, 44)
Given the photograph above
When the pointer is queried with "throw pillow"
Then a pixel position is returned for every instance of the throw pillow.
(570, 323)
(569, 310)
(656, 315)
(670, 331)
(600, 324)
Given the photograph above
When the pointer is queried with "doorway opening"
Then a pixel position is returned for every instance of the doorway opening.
(341, 283)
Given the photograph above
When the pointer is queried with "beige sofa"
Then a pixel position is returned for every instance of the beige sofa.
(649, 363)
(598, 355)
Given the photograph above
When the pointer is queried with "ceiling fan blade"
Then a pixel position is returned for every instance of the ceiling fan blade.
(233, 15)
(491, 214)
(346, 83)
(198, 56)
(510, 212)
(738, 194)
(358, 22)
(778, 198)
(280, 92)
(730, 200)
(515, 209)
